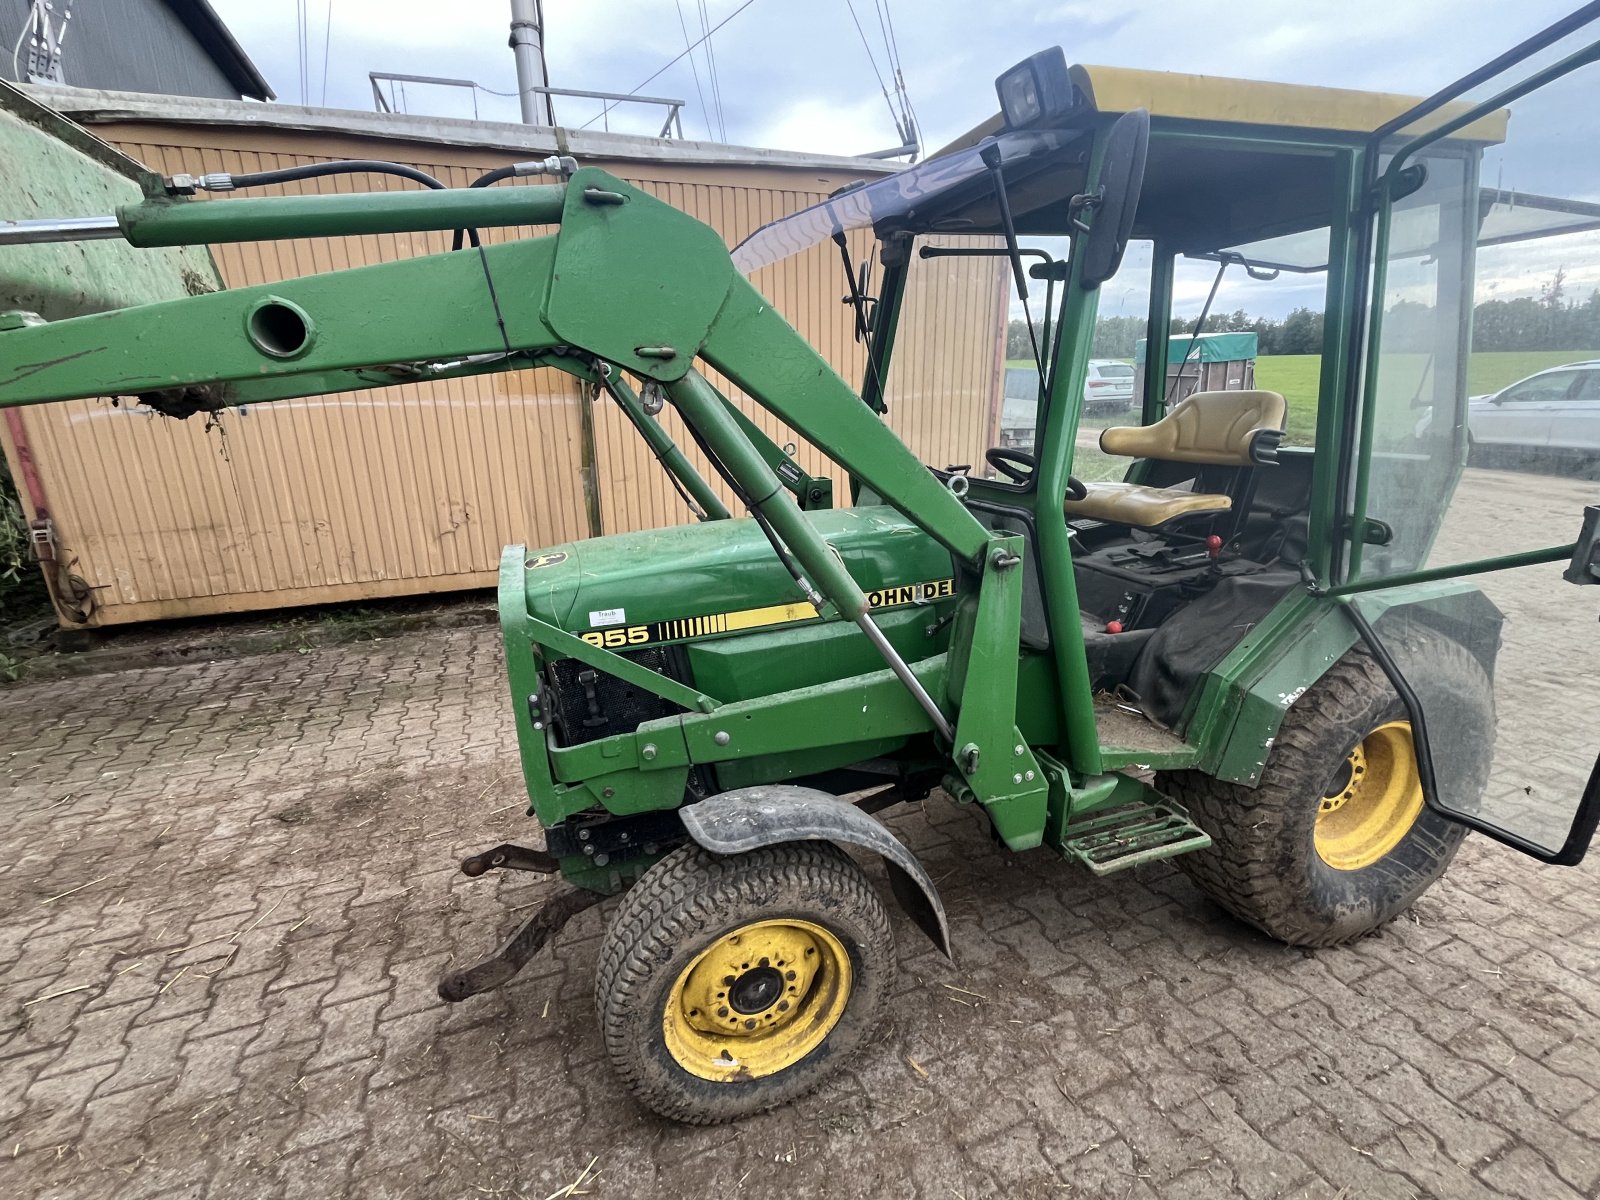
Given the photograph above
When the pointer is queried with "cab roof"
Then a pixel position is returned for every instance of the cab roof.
(1249, 102)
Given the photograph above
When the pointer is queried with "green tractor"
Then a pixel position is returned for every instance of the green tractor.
(1244, 640)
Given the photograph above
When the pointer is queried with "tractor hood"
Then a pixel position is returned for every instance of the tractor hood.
(690, 582)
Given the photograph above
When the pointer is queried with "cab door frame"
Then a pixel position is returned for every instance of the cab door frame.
(1383, 183)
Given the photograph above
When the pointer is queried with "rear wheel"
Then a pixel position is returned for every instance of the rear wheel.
(1335, 841)
(729, 985)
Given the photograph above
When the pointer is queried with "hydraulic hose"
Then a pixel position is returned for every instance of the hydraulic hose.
(358, 166)
(484, 180)
(224, 182)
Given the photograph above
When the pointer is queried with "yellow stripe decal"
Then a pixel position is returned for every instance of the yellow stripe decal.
(686, 628)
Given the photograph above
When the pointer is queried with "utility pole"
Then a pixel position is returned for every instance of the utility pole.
(527, 43)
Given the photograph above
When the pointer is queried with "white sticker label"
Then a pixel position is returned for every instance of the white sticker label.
(601, 617)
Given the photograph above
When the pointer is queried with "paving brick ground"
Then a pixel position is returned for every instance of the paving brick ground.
(229, 889)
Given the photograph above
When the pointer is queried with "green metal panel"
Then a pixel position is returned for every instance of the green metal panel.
(522, 675)
(1244, 699)
(684, 572)
(665, 277)
(990, 752)
(637, 772)
(803, 655)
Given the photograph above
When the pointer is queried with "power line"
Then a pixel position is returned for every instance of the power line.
(673, 61)
(327, 41)
(705, 113)
(709, 49)
(899, 76)
(872, 59)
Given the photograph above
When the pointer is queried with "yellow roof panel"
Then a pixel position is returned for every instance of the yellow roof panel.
(1245, 102)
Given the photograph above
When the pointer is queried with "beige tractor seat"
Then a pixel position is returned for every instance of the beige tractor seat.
(1145, 507)
(1209, 429)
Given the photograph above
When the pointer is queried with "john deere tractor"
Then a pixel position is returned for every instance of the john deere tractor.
(1232, 643)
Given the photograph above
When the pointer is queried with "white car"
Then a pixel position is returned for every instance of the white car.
(1555, 412)
(1107, 389)
(1109, 386)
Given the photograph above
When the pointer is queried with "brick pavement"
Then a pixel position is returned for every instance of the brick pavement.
(230, 888)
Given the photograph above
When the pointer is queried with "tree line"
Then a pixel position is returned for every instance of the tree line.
(1548, 322)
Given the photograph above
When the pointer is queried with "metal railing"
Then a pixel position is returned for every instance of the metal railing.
(671, 127)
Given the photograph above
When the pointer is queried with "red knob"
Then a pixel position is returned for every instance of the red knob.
(1214, 546)
(1113, 626)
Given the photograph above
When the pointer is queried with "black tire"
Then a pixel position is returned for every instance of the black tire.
(1264, 865)
(683, 908)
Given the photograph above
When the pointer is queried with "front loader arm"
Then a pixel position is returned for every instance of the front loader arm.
(345, 320)
(627, 280)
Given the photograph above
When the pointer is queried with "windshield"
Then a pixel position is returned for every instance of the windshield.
(944, 194)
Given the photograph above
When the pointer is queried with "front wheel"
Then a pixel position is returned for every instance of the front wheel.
(1335, 841)
(730, 985)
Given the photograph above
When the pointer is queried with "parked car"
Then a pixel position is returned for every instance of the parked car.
(1556, 412)
(1108, 388)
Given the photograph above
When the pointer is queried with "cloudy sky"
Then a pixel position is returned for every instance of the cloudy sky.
(797, 76)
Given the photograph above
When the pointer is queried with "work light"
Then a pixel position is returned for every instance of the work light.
(1037, 89)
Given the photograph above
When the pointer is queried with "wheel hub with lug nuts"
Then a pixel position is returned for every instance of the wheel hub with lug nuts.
(759, 999)
(1372, 802)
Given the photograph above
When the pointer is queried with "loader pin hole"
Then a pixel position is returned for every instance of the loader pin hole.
(279, 328)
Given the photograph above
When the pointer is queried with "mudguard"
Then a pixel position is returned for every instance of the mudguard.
(748, 818)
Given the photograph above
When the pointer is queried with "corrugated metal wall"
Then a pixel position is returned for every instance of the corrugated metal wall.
(137, 45)
(943, 389)
(415, 489)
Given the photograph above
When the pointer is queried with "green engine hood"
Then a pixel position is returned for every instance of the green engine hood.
(690, 582)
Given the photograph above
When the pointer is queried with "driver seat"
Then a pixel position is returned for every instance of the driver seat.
(1231, 432)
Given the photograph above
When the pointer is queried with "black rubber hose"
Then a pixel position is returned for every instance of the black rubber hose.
(494, 176)
(356, 166)
(484, 180)
(349, 166)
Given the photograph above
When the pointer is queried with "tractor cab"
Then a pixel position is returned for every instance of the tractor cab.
(1167, 537)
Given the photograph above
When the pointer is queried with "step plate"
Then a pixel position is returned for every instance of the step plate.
(1114, 839)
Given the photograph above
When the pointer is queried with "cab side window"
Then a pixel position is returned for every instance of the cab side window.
(1541, 388)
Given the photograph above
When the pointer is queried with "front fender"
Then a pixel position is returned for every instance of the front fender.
(746, 819)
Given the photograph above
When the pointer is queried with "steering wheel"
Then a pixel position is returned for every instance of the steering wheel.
(1016, 465)
(1011, 464)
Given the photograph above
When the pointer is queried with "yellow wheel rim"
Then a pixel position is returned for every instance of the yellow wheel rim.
(757, 1001)
(1374, 800)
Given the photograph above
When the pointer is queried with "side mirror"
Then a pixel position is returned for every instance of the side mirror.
(1121, 179)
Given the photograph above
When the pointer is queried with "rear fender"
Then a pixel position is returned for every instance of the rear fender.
(746, 819)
